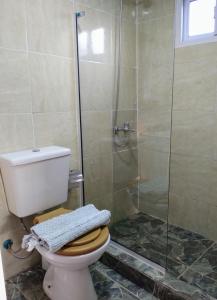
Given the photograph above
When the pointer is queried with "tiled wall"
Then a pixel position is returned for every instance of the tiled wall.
(155, 75)
(193, 195)
(110, 170)
(37, 91)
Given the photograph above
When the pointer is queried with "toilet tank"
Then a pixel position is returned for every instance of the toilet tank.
(35, 180)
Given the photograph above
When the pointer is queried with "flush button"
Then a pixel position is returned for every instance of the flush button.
(36, 150)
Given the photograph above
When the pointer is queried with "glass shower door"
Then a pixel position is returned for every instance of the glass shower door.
(126, 100)
(96, 30)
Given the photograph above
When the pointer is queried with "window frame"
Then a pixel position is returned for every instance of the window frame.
(182, 25)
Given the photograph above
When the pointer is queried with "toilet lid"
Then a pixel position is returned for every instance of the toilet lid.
(82, 245)
(84, 248)
(86, 238)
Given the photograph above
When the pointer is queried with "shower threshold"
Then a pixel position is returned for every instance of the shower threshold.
(140, 259)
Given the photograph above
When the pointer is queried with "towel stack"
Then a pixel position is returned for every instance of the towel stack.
(54, 233)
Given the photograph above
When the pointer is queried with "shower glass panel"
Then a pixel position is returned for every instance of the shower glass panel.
(125, 51)
(148, 118)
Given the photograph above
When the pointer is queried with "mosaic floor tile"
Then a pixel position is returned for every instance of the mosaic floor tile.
(108, 284)
(205, 283)
(13, 293)
(29, 284)
(206, 265)
(176, 249)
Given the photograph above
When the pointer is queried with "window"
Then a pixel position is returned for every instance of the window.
(197, 20)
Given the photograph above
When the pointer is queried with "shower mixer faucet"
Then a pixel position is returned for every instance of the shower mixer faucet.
(125, 128)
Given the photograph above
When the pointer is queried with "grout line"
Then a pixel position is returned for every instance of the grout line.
(71, 59)
(124, 66)
(189, 267)
(27, 51)
(186, 155)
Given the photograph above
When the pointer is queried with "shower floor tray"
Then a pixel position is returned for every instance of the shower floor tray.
(189, 258)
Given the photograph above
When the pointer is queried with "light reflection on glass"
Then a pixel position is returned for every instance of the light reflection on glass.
(98, 41)
(83, 40)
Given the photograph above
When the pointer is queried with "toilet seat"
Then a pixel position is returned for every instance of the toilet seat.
(82, 245)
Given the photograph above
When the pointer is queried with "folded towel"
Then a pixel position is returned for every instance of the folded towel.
(53, 234)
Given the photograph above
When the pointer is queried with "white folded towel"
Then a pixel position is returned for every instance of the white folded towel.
(53, 234)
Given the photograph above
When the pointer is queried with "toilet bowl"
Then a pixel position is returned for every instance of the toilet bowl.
(30, 190)
(68, 276)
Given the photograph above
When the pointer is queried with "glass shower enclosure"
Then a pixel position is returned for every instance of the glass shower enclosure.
(126, 73)
(148, 142)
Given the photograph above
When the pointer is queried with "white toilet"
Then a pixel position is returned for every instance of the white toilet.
(36, 180)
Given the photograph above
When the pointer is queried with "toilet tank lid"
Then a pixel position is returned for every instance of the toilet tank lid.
(33, 155)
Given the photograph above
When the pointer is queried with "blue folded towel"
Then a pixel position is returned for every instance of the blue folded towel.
(53, 234)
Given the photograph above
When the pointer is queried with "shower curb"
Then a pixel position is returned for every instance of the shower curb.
(149, 277)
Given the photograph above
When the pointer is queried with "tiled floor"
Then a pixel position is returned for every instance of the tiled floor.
(191, 257)
(108, 284)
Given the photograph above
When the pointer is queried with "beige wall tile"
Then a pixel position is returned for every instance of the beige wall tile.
(156, 42)
(125, 171)
(15, 102)
(153, 203)
(154, 178)
(16, 132)
(195, 85)
(189, 214)
(97, 86)
(14, 84)
(14, 70)
(128, 44)
(155, 143)
(98, 177)
(193, 179)
(127, 96)
(196, 52)
(155, 87)
(7, 133)
(155, 63)
(154, 165)
(13, 24)
(52, 83)
(125, 203)
(37, 95)
(96, 133)
(24, 136)
(154, 122)
(50, 26)
(193, 133)
(57, 129)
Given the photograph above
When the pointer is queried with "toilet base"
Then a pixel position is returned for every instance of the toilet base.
(66, 284)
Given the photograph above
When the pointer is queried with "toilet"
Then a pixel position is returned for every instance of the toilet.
(37, 180)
